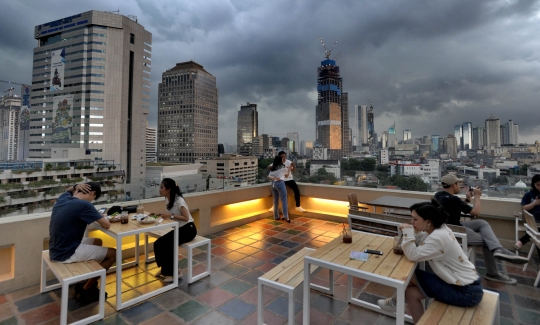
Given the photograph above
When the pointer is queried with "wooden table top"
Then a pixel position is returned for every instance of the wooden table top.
(118, 227)
(390, 265)
(394, 202)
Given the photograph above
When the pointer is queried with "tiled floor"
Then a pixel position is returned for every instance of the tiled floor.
(229, 296)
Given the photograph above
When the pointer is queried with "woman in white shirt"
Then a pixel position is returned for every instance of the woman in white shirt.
(454, 281)
(278, 173)
(178, 211)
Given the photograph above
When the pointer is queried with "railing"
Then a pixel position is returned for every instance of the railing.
(22, 238)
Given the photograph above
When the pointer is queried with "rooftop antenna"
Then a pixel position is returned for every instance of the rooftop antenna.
(327, 52)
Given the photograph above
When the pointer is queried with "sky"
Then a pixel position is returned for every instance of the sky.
(427, 65)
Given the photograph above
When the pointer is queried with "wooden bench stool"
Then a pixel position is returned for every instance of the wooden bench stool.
(487, 312)
(287, 276)
(70, 273)
(196, 242)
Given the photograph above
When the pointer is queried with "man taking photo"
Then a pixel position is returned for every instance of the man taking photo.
(479, 232)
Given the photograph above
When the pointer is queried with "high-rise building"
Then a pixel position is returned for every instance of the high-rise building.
(309, 148)
(332, 116)
(435, 143)
(458, 133)
(10, 109)
(24, 118)
(92, 73)
(151, 144)
(493, 132)
(450, 145)
(361, 124)
(384, 139)
(466, 136)
(187, 114)
(247, 127)
(392, 141)
(478, 137)
(294, 137)
(509, 133)
(407, 134)
(372, 136)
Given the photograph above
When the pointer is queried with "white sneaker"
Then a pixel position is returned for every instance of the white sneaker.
(170, 279)
(300, 209)
(271, 209)
(388, 305)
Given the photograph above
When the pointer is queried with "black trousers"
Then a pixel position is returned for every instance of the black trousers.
(164, 249)
(292, 185)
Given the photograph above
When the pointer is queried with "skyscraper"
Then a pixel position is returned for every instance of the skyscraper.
(372, 136)
(331, 118)
(458, 133)
(450, 145)
(392, 136)
(187, 114)
(247, 127)
(493, 133)
(10, 108)
(510, 133)
(361, 124)
(478, 137)
(151, 146)
(407, 134)
(435, 143)
(294, 137)
(92, 71)
(466, 136)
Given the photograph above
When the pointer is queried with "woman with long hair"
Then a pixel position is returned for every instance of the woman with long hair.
(178, 211)
(531, 203)
(454, 280)
(278, 173)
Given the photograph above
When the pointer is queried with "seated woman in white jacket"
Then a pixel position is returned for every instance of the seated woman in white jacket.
(454, 281)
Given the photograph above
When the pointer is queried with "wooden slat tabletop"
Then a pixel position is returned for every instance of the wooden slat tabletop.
(389, 264)
(118, 228)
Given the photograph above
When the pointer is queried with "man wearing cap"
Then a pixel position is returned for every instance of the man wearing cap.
(479, 232)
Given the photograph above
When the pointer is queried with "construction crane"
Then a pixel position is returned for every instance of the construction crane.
(11, 82)
(327, 52)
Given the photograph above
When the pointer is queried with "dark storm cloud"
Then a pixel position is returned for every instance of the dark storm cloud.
(425, 64)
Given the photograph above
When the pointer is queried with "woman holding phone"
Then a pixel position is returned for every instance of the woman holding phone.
(531, 203)
(178, 211)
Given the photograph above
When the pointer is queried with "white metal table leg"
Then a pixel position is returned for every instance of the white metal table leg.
(291, 307)
(307, 302)
(400, 302)
(260, 320)
(64, 304)
(118, 272)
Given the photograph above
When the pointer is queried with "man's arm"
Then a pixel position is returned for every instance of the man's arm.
(477, 207)
(104, 222)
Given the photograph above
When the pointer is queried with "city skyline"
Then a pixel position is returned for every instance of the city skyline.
(429, 79)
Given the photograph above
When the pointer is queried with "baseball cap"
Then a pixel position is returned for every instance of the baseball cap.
(450, 179)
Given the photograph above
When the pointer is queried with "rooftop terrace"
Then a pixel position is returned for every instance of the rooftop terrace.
(246, 243)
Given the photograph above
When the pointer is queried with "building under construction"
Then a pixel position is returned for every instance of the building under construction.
(332, 117)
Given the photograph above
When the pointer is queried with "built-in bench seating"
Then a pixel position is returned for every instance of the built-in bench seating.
(198, 241)
(71, 273)
(486, 313)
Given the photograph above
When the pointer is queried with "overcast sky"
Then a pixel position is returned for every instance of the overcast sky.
(427, 65)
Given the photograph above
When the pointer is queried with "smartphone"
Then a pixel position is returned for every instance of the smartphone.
(471, 189)
(372, 251)
(102, 210)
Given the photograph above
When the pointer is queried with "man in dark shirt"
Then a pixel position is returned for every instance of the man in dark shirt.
(479, 232)
(72, 212)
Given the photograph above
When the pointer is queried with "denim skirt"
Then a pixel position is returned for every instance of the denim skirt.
(462, 296)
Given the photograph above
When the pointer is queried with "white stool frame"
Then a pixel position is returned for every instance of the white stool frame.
(65, 283)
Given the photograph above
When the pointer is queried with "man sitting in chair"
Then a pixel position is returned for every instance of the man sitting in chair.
(71, 213)
(479, 232)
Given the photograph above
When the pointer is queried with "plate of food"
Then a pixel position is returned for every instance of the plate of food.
(115, 217)
(147, 219)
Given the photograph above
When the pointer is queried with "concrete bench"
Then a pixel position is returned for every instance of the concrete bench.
(196, 242)
(287, 276)
(70, 273)
(487, 312)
